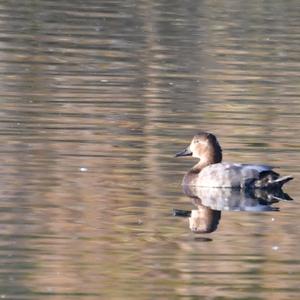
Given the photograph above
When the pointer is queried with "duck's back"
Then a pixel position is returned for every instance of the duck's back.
(224, 174)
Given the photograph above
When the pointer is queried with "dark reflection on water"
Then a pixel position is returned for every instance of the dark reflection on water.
(211, 201)
(96, 96)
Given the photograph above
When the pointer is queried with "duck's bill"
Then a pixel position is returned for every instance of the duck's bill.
(185, 152)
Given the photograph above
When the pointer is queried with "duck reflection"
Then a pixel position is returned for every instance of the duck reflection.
(204, 219)
(210, 202)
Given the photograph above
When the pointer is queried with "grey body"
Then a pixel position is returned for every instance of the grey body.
(227, 175)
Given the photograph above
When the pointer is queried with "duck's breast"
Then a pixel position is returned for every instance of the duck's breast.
(228, 174)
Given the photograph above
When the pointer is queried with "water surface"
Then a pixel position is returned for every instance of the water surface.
(96, 98)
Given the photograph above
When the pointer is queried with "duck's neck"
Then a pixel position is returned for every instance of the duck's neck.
(213, 156)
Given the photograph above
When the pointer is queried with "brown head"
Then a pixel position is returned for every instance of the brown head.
(205, 147)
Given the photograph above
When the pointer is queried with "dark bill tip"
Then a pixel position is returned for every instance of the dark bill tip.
(185, 152)
(181, 213)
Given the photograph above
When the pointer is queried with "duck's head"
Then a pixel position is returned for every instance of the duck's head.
(204, 146)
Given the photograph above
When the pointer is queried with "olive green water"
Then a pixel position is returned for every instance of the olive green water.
(96, 97)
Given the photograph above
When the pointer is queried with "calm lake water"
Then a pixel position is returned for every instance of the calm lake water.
(96, 98)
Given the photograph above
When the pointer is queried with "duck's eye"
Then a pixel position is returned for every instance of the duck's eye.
(196, 141)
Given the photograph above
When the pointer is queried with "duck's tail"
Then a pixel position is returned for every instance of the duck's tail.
(271, 180)
(279, 182)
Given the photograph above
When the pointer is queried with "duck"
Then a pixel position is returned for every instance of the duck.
(211, 172)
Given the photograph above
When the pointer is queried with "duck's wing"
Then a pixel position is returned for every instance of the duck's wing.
(258, 167)
(230, 174)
